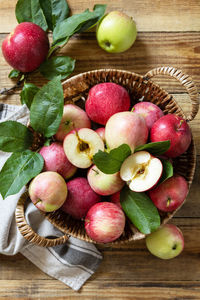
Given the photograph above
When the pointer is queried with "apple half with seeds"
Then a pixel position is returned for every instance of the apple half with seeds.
(141, 171)
(81, 145)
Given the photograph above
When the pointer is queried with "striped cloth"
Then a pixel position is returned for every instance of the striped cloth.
(72, 263)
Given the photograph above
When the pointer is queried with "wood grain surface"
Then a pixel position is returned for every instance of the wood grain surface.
(168, 35)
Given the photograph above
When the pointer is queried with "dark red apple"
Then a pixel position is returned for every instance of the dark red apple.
(104, 222)
(170, 194)
(80, 198)
(26, 47)
(106, 99)
(173, 128)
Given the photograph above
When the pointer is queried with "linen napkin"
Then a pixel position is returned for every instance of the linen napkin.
(72, 263)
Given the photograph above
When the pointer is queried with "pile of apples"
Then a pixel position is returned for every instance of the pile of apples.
(95, 196)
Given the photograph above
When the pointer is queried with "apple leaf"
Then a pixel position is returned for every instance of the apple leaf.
(19, 168)
(76, 24)
(14, 137)
(14, 74)
(55, 11)
(47, 108)
(140, 210)
(156, 148)
(110, 163)
(27, 94)
(167, 170)
(30, 11)
(57, 65)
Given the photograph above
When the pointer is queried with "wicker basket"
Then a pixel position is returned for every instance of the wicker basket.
(139, 87)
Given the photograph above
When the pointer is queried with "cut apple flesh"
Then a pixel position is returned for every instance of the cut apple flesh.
(80, 147)
(141, 171)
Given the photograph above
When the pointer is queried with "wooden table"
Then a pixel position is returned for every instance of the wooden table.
(168, 35)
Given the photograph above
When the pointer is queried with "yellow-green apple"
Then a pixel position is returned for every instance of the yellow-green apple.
(81, 145)
(56, 160)
(101, 133)
(166, 242)
(73, 117)
(176, 130)
(126, 128)
(149, 111)
(170, 194)
(48, 191)
(26, 47)
(115, 198)
(106, 99)
(104, 222)
(116, 32)
(80, 198)
(141, 171)
(104, 184)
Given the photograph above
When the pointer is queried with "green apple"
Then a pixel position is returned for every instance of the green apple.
(166, 242)
(116, 32)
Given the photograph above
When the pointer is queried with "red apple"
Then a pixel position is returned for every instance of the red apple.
(115, 198)
(104, 222)
(104, 184)
(26, 47)
(48, 191)
(56, 160)
(126, 128)
(170, 194)
(73, 118)
(150, 112)
(80, 198)
(106, 99)
(176, 130)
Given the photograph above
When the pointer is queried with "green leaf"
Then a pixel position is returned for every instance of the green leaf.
(14, 137)
(47, 108)
(18, 170)
(57, 65)
(157, 148)
(77, 23)
(14, 74)
(140, 210)
(48, 142)
(30, 11)
(167, 170)
(110, 163)
(55, 11)
(27, 94)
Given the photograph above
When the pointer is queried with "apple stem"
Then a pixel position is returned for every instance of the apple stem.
(181, 122)
(95, 171)
(168, 202)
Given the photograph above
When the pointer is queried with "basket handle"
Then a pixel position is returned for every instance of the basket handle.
(185, 80)
(26, 230)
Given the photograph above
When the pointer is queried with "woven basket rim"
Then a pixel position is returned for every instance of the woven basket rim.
(82, 76)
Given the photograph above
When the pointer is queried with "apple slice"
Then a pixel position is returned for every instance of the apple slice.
(81, 145)
(141, 171)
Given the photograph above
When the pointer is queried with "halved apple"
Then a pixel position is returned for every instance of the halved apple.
(81, 145)
(141, 171)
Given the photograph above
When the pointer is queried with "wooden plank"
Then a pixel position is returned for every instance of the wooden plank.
(148, 52)
(126, 271)
(48, 289)
(179, 15)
